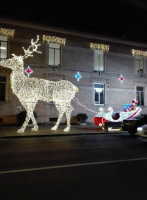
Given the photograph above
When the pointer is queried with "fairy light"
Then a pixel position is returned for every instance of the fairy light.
(5, 31)
(31, 90)
(99, 46)
(54, 39)
(138, 52)
(83, 106)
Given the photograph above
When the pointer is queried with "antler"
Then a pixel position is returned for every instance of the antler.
(33, 48)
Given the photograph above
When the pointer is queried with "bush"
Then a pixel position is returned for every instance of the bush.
(22, 115)
(82, 117)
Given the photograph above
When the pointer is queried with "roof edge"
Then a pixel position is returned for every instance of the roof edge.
(38, 26)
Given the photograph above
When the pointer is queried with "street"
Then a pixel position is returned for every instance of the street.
(101, 167)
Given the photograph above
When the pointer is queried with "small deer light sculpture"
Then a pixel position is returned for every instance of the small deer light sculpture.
(31, 90)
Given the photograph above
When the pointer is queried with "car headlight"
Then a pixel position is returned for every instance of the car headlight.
(139, 129)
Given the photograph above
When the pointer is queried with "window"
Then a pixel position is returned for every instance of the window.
(3, 47)
(99, 92)
(140, 95)
(139, 65)
(2, 88)
(98, 60)
(54, 54)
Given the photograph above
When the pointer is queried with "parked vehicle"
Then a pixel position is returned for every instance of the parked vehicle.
(142, 130)
(110, 126)
(132, 124)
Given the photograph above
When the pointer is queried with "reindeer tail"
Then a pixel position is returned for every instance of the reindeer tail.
(76, 88)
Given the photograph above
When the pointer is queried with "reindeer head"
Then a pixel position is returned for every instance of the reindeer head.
(17, 62)
(14, 63)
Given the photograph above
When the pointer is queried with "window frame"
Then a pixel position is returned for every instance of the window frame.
(4, 41)
(140, 98)
(97, 54)
(138, 60)
(5, 85)
(54, 54)
(103, 95)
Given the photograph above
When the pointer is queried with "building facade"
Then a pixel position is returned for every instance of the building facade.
(107, 71)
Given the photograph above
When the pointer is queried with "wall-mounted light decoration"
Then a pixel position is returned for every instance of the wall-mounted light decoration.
(78, 76)
(99, 46)
(138, 52)
(28, 71)
(8, 32)
(121, 78)
(54, 39)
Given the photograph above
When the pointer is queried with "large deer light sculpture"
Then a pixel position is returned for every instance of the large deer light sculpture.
(31, 90)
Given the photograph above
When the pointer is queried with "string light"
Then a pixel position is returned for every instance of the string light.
(85, 107)
(99, 46)
(31, 90)
(54, 39)
(5, 31)
(138, 52)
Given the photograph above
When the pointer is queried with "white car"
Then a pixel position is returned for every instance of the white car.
(142, 130)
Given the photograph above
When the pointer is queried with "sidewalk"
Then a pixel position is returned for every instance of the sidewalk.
(11, 131)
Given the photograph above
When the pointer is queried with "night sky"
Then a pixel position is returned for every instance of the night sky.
(121, 19)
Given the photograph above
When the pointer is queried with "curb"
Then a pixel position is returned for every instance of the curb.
(62, 134)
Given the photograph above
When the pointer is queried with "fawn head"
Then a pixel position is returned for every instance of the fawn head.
(17, 62)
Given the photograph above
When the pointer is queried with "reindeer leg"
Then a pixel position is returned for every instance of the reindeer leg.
(29, 108)
(35, 128)
(22, 129)
(58, 121)
(68, 114)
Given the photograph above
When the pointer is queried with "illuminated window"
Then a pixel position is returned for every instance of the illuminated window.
(3, 47)
(139, 66)
(140, 95)
(2, 88)
(99, 93)
(98, 60)
(54, 54)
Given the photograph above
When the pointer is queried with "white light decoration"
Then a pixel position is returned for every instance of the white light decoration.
(5, 31)
(54, 39)
(31, 90)
(138, 52)
(83, 106)
(102, 47)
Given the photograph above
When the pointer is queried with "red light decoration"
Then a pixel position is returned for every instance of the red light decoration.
(121, 78)
(28, 71)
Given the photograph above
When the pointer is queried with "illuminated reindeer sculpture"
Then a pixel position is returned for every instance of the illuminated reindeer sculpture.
(31, 90)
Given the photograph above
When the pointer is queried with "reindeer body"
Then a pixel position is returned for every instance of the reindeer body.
(41, 89)
(31, 90)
